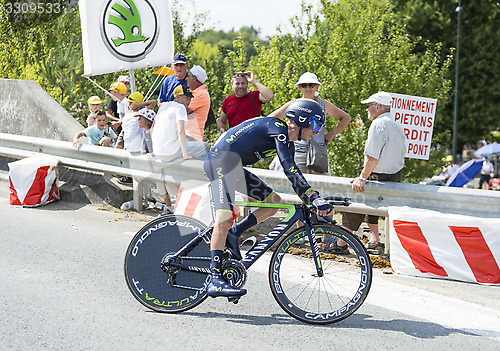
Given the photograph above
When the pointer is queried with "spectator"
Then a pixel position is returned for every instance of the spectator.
(117, 105)
(145, 119)
(384, 161)
(486, 172)
(95, 104)
(169, 135)
(200, 103)
(99, 133)
(125, 80)
(180, 66)
(132, 137)
(308, 84)
(450, 167)
(132, 134)
(243, 104)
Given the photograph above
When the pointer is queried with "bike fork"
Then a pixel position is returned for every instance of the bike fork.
(314, 247)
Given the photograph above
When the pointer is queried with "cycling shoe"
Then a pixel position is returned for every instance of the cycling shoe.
(218, 287)
(233, 244)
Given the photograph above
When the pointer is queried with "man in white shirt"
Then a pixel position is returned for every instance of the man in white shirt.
(169, 133)
(385, 150)
(486, 172)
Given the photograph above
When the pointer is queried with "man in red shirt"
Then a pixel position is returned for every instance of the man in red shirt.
(243, 104)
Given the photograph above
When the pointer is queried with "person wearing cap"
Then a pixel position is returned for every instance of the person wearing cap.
(243, 104)
(308, 85)
(132, 136)
(180, 68)
(169, 133)
(449, 167)
(125, 80)
(200, 103)
(117, 106)
(385, 150)
(95, 104)
(145, 118)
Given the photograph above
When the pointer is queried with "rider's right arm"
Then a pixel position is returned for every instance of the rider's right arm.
(279, 131)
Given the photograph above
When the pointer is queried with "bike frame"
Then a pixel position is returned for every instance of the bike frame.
(296, 212)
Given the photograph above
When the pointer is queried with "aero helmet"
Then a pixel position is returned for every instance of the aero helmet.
(306, 113)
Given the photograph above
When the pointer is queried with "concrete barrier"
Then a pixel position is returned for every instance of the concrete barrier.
(27, 109)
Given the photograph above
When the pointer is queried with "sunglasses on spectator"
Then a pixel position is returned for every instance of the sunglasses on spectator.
(239, 74)
(307, 85)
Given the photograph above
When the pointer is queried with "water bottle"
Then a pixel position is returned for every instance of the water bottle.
(127, 205)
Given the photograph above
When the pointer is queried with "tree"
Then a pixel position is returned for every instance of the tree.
(479, 78)
(356, 48)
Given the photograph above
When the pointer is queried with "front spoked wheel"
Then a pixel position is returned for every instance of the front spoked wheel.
(315, 299)
(154, 283)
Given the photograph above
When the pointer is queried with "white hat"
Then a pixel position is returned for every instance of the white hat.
(307, 77)
(146, 113)
(199, 73)
(381, 98)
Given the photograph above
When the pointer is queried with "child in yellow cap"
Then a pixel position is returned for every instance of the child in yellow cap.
(95, 104)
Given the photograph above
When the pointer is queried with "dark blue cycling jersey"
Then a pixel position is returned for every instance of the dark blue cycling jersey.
(256, 139)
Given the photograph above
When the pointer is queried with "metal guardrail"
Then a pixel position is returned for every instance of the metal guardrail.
(376, 198)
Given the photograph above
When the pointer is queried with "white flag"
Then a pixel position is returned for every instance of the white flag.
(125, 34)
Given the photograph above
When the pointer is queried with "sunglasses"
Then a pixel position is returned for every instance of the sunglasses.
(370, 105)
(239, 74)
(315, 123)
(307, 85)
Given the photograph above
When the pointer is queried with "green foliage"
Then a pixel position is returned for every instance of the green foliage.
(356, 48)
(479, 78)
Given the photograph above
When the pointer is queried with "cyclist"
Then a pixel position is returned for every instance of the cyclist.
(245, 144)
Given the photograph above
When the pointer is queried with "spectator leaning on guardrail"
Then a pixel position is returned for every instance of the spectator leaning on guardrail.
(169, 134)
(384, 160)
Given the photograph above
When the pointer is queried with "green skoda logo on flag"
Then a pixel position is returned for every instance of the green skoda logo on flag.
(129, 28)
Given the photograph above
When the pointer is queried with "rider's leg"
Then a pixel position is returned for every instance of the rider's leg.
(217, 286)
(223, 221)
(257, 216)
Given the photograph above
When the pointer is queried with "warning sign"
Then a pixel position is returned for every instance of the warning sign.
(416, 116)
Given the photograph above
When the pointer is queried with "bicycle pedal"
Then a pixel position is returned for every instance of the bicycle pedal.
(233, 299)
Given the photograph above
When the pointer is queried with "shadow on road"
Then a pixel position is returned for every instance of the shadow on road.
(249, 319)
(418, 329)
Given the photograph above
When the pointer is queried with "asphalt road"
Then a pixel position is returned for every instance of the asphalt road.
(62, 288)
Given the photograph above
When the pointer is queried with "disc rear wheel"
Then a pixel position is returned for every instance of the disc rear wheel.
(151, 280)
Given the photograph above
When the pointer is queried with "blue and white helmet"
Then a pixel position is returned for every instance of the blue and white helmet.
(306, 113)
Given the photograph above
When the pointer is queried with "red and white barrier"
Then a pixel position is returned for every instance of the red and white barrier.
(33, 181)
(193, 200)
(432, 244)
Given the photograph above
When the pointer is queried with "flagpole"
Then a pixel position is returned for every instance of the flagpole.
(132, 80)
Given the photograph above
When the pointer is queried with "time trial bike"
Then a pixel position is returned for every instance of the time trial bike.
(167, 265)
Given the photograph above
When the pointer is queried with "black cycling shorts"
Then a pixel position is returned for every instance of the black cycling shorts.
(227, 175)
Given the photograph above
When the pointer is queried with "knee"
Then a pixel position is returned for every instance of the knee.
(105, 142)
(223, 225)
(274, 199)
